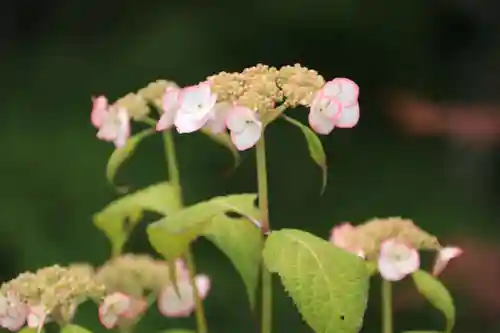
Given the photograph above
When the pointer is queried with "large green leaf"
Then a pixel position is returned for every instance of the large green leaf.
(237, 237)
(421, 332)
(242, 242)
(74, 329)
(224, 140)
(328, 285)
(120, 155)
(119, 218)
(178, 330)
(27, 329)
(315, 147)
(437, 294)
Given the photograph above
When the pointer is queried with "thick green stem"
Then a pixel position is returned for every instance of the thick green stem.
(386, 306)
(267, 300)
(174, 178)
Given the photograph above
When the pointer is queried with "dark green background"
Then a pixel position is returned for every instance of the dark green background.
(53, 167)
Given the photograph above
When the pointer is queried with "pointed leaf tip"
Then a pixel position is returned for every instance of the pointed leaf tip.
(121, 155)
(315, 148)
(437, 294)
(328, 285)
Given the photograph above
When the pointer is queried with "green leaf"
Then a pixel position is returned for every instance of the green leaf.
(238, 238)
(74, 329)
(371, 267)
(225, 140)
(27, 329)
(437, 294)
(178, 330)
(120, 155)
(241, 241)
(328, 285)
(315, 147)
(421, 332)
(118, 219)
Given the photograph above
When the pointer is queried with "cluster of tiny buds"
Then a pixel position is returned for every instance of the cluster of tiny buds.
(394, 244)
(242, 103)
(123, 287)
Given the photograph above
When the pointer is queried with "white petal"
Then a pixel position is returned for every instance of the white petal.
(237, 118)
(170, 99)
(108, 320)
(397, 260)
(444, 256)
(349, 116)
(203, 285)
(346, 90)
(248, 137)
(169, 303)
(217, 121)
(389, 271)
(320, 123)
(99, 111)
(197, 99)
(329, 106)
(123, 128)
(188, 123)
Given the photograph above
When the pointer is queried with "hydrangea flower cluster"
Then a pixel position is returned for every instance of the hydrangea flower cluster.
(241, 103)
(392, 243)
(119, 286)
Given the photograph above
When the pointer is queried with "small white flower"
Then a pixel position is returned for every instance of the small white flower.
(335, 105)
(170, 103)
(169, 302)
(245, 127)
(113, 124)
(443, 257)
(196, 104)
(112, 308)
(13, 312)
(397, 260)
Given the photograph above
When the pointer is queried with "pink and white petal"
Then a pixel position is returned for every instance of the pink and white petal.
(170, 99)
(411, 263)
(349, 91)
(389, 270)
(331, 89)
(123, 128)
(237, 118)
(136, 308)
(338, 234)
(349, 116)
(248, 137)
(171, 305)
(99, 110)
(166, 121)
(188, 123)
(217, 121)
(203, 285)
(192, 97)
(320, 123)
(36, 317)
(108, 319)
(444, 256)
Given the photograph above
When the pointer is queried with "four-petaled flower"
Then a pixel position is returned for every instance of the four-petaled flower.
(182, 304)
(196, 105)
(117, 306)
(244, 126)
(397, 260)
(335, 105)
(13, 312)
(443, 257)
(339, 236)
(113, 123)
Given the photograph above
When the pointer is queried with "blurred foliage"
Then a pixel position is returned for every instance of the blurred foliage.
(54, 168)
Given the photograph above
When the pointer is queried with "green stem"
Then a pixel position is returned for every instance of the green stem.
(267, 301)
(174, 177)
(386, 306)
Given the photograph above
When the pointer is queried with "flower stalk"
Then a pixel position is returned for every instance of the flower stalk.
(264, 209)
(386, 306)
(174, 177)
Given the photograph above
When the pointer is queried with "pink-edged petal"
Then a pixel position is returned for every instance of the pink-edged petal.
(171, 305)
(247, 138)
(338, 234)
(99, 110)
(397, 260)
(123, 130)
(346, 90)
(166, 121)
(349, 116)
(136, 308)
(320, 123)
(15, 317)
(108, 319)
(197, 100)
(237, 118)
(188, 123)
(170, 99)
(443, 257)
(181, 270)
(217, 121)
(328, 106)
(37, 317)
(203, 285)
(112, 307)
